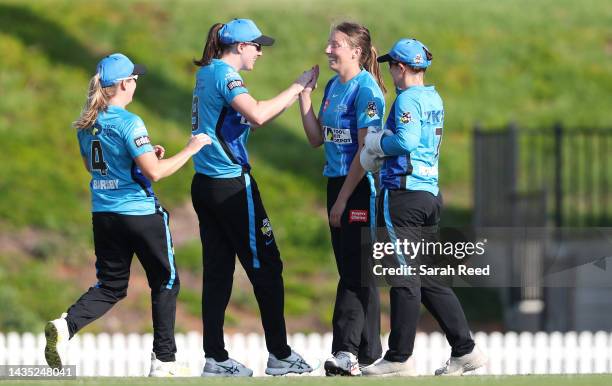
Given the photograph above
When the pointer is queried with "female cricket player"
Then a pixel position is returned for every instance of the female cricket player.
(352, 102)
(127, 216)
(409, 208)
(225, 196)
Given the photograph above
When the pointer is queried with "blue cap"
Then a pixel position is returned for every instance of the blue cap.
(116, 67)
(242, 31)
(409, 51)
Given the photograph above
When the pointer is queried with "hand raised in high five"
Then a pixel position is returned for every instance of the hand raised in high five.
(305, 78)
(312, 85)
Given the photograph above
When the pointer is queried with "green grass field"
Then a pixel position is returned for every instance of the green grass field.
(532, 62)
(519, 380)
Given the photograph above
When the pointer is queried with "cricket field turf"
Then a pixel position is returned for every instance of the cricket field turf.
(507, 380)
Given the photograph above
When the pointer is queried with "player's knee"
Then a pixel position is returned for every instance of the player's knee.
(120, 293)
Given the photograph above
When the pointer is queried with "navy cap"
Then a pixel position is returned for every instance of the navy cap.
(409, 51)
(242, 31)
(116, 67)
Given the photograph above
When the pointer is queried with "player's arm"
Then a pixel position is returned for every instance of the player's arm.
(155, 169)
(312, 126)
(260, 112)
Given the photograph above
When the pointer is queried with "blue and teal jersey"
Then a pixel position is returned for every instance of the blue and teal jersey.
(217, 84)
(346, 108)
(416, 120)
(109, 148)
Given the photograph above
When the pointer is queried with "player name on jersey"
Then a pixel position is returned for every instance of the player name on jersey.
(105, 184)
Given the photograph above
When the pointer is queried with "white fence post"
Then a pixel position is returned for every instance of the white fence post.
(509, 353)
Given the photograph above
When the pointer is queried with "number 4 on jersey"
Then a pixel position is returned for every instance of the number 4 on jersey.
(97, 158)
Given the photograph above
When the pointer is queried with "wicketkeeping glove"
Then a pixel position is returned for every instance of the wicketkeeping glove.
(369, 161)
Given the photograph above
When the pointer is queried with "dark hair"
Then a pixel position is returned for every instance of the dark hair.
(359, 36)
(213, 47)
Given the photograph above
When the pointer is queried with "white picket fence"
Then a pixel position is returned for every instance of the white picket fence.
(509, 353)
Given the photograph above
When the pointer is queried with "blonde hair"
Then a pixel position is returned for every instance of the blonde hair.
(98, 98)
(359, 36)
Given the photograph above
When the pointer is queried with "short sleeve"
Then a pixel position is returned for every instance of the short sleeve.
(230, 84)
(407, 128)
(407, 116)
(370, 107)
(137, 138)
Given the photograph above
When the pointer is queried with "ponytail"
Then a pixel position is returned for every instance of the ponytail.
(213, 48)
(372, 66)
(359, 36)
(97, 100)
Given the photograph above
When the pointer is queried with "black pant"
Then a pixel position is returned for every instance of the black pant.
(415, 215)
(233, 222)
(356, 320)
(116, 238)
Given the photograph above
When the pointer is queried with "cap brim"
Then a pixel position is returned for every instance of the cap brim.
(264, 40)
(139, 69)
(384, 58)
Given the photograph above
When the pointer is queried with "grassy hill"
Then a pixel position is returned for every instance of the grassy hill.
(529, 62)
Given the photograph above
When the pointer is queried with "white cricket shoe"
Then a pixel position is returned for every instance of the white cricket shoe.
(342, 363)
(385, 368)
(167, 369)
(228, 368)
(294, 363)
(463, 364)
(57, 336)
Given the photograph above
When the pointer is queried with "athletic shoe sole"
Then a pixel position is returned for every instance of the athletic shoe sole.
(332, 371)
(51, 354)
(284, 371)
(470, 366)
(204, 374)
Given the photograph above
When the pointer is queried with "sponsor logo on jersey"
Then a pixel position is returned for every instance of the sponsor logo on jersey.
(341, 108)
(406, 117)
(235, 83)
(358, 215)
(266, 227)
(371, 110)
(340, 136)
(105, 184)
(141, 141)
